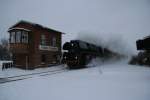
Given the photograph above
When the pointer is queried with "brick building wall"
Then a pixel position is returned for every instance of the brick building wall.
(34, 54)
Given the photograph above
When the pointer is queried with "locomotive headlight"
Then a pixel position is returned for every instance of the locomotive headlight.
(72, 44)
(65, 57)
(76, 57)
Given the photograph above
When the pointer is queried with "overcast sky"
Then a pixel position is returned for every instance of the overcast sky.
(73, 16)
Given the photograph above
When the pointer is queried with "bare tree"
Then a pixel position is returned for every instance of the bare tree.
(4, 42)
(4, 49)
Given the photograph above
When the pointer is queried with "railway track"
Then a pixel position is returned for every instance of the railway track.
(27, 76)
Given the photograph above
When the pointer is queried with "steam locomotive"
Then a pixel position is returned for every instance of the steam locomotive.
(143, 57)
(79, 53)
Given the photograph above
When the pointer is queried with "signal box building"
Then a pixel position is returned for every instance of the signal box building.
(33, 45)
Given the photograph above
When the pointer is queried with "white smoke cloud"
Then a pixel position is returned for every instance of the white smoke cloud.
(115, 42)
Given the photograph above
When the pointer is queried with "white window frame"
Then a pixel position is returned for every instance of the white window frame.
(18, 36)
(24, 37)
(43, 39)
(54, 41)
(12, 37)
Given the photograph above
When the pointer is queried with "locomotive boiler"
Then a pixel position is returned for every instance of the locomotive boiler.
(79, 53)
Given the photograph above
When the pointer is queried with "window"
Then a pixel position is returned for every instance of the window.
(12, 37)
(18, 36)
(54, 41)
(43, 39)
(24, 37)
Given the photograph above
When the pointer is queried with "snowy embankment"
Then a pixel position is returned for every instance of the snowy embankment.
(117, 81)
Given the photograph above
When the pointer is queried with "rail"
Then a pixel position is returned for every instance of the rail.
(27, 76)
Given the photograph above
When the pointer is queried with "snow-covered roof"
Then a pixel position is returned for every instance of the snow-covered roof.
(35, 25)
(18, 28)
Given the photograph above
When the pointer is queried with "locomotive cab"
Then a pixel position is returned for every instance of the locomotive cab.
(143, 44)
(143, 57)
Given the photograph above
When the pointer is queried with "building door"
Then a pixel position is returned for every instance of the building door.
(43, 58)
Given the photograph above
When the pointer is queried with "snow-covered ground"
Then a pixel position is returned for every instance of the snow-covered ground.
(10, 72)
(111, 81)
(116, 25)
